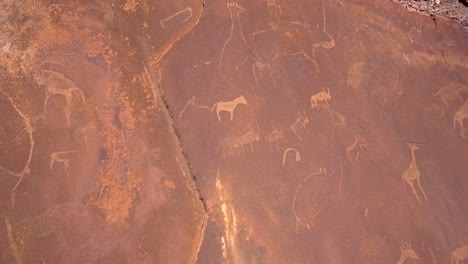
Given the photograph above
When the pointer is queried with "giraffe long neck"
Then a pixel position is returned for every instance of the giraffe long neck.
(413, 158)
(235, 26)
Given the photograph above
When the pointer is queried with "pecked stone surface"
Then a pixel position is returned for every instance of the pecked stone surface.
(91, 171)
(268, 131)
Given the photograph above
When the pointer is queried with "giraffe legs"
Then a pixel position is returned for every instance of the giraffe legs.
(411, 184)
(420, 188)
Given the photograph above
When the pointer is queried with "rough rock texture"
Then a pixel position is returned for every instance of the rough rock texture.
(454, 9)
(189, 131)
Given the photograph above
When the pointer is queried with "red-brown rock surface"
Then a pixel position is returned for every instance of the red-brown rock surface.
(150, 131)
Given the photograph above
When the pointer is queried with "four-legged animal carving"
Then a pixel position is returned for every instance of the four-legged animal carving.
(407, 253)
(229, 106)
(359, 145)
(274, 137)
(50, 222)
(460, 116)
(450, 92)
(300, 122)
(413, 174)
(57, 84)
(321, 96)
(459, 254)
(231, 144)
(63, 157)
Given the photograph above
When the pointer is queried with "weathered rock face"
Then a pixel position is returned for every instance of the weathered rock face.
(231, 132)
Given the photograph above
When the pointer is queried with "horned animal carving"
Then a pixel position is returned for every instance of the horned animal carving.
(321, 96)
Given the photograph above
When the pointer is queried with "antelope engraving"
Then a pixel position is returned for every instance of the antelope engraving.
(64, 157)
(459, 254)
(321, 96)
(230, 145)
(459, 117)
(413, 174)
(407, 253)
(57, 84)
(228, 106)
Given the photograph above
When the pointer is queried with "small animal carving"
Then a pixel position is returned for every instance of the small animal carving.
(460, 116)
(274, 137)
(407, 253)
(300, 122)
(64, 157)
(450, 92)
(231, 144)
(58, 84)
(359, 145)
(321, 96)
(413, 174)
(229, 106)
(460, 254)
(339, 119)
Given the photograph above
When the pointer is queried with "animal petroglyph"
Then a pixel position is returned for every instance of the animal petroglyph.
(338, 119)
(305, 222)
(418, 32)
(274, 137)
(50, 222)
(231, 145)
(56, 83)
(413, 174)
(63, 157)
(301, 122)
(192, 103)
(82, 134)
(275, 13)
(460, 254)
(323, 44)
(459, 117)
(187, 11)
(354, 150)
(450, 92)
(234, 10)
(320, 96)
(228, 106)
(407, 253)
(26, 168)
(297, 156)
